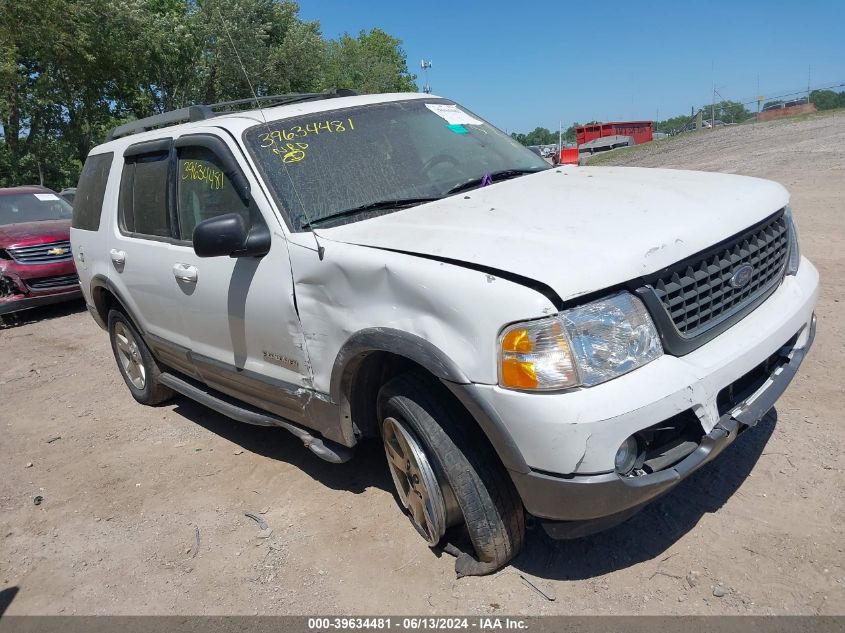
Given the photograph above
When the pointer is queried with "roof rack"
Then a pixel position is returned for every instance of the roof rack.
(202, 112)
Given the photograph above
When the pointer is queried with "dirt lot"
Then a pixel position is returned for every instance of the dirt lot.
(127, 489)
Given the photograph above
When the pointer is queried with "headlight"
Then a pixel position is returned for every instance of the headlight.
(583, 346)
(794, 249)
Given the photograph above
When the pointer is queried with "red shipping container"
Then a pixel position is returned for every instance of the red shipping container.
(640, 131)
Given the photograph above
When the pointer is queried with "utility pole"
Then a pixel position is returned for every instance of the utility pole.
(559, 136)
(809, 70)
(713, 110)
(713, 103)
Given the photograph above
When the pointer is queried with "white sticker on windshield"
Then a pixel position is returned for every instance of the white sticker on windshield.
(452, 114)
(46, 196)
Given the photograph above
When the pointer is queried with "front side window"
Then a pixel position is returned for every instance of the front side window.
(204, 190)
(347, 165)
(143, 196)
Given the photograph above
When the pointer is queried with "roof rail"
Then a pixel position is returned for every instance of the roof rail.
(202, 112)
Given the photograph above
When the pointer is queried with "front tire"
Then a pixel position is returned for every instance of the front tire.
(472, 487)
(139, 369)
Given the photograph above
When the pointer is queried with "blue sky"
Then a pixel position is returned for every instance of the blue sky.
(521, 65)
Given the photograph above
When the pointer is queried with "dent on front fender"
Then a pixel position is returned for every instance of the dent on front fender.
(457, 310)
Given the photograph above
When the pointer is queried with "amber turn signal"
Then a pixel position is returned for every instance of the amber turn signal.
(536, 356)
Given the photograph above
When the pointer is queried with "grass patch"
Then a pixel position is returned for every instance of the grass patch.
(616, 156)
(809, 116)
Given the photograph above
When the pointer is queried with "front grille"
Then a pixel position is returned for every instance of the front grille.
(41, 253)
(697, 294)
(52, 282)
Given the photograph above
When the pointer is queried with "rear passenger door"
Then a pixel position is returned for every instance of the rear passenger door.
(141, 250)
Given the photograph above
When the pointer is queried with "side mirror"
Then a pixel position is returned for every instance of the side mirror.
(228, 235)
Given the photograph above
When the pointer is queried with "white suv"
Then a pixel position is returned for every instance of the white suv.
(568, 342)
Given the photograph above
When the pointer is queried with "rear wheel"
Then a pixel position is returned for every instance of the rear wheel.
(447, 475)
(139, 369)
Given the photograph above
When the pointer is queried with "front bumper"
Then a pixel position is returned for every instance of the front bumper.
(25, 294)
(17, 303)
(595, 502)
(560, 447)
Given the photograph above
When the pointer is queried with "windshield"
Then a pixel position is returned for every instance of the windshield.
(33, 207)
(368, 160)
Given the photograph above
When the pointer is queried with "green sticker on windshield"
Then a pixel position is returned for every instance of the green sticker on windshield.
(457, 128)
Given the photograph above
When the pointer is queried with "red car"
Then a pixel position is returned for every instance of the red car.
(36, 265)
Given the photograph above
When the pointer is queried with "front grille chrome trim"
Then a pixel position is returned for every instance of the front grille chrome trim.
(692, 301)
(39, 253)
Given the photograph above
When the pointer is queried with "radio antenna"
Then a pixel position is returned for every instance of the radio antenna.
(320, 249)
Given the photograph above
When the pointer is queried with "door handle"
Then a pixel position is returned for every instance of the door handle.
(118, 258)
(185, 272)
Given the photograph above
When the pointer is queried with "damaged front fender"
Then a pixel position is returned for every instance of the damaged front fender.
(440, 315)
(417, 305)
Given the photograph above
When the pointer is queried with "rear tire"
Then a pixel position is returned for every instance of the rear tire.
(139, 369)
(468, 470)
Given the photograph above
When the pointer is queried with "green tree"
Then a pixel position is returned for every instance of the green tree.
(168, 60)
(727, 112)
(673, 125)
(57, 84)
(72, 69)
(211, 51)
(544, 136)
(371, 62)
(541, 136)
(825, 99)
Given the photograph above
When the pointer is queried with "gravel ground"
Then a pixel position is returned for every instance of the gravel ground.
(143, 508)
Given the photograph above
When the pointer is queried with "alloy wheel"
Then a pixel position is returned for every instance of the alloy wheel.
(129, 355)
(415, 481)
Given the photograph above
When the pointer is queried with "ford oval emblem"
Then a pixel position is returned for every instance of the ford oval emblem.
(741, 276)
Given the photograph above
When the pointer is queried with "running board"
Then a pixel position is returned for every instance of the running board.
(321, 447)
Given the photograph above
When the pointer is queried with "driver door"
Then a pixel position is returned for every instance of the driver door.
(245, 335)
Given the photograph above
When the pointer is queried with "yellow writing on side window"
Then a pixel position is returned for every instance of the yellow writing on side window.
(196, 170)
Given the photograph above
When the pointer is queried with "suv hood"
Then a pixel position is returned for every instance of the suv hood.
(576, 229)
(29, 233)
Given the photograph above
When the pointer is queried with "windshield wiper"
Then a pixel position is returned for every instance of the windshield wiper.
(496, 176)
(379, 205)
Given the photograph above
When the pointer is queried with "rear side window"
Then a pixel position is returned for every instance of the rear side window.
(88, 203)
(204, 190)
(143, 196)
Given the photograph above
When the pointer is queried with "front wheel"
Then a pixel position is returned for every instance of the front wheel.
(447, 474)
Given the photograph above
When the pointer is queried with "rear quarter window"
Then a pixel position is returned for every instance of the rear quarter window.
(90, 192)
